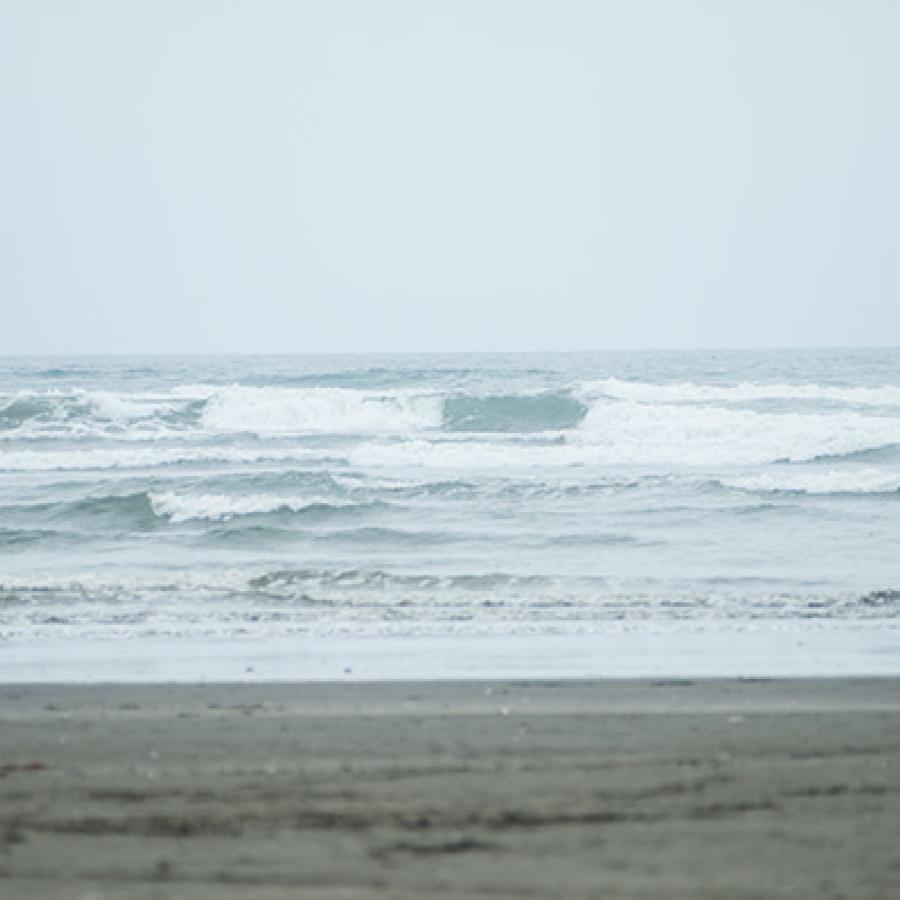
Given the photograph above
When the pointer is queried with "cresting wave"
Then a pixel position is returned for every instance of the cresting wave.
(627, 433)
(222, 507)
(263, 410)
(283, 411)
(601, 431)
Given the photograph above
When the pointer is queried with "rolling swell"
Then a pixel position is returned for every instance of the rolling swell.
(19, 411)
(512, 413)
(224, 507)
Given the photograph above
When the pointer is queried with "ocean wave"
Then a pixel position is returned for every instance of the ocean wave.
(222, 507)
(690, 392)
(18, 538)
(810, 481)
(289, 581)
(629, 433)
(151, 457)
(20, 410)
(636, 422)
(357, 604)
(886, 453)
(522, 413)
(271, 410)
(83, 516)
(144, 510)
(642, 433)
(81, 413)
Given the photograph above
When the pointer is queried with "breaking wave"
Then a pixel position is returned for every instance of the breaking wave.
(630, 433)
(812, 481)
(608, 422)
(222, 507)
(689, 392)
(264, 410)
(151, 457)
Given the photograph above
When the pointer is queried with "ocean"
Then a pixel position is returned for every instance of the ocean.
(215, 498)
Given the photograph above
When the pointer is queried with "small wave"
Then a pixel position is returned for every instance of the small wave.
(586, 539)
(374, 537)
(150, 457)
(222, 507)
(22, 537)
(690, 392)
(887, 453)
(120, 511)
(290, 580)
(59, 372)
(812, 481)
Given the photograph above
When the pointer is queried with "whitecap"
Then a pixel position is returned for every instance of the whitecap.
(220, 507)
(691, 392)
(814, 481)
(270, 410)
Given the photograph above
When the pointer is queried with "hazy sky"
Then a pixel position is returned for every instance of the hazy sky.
(496, 174)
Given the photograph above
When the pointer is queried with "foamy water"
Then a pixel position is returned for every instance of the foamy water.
(446, 496)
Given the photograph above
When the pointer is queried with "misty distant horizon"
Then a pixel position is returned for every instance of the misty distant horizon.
(344, 177)
(598, 351)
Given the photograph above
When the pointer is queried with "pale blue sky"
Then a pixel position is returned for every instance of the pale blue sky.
(489, 175)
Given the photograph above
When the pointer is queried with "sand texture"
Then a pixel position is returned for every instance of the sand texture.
(672, 789)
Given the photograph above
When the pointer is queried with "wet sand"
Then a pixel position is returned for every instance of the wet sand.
(669, 789)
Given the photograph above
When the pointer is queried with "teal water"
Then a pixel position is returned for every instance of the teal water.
(446, 494)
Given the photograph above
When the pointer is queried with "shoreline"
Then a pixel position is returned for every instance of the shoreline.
(768, 649)
(671, 788)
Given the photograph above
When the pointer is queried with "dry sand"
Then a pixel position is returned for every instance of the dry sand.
(606, 790)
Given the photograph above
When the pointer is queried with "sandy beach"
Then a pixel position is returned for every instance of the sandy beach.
(616, 789)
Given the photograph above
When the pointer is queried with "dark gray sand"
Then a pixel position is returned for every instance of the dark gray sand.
(554, 790)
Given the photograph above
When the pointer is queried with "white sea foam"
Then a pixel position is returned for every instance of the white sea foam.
(124, 408)
(275, 410)
(689, 392)
(630, 433)
(814, 481)
(220, 507)
(147, 457)
(78, 413)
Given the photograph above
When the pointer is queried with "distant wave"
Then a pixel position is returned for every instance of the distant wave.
(149, 457)
(689, 392)
(218, 507)
(814, 481)
(641, 425)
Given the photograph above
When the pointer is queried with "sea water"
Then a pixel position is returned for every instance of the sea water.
(166, 499)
